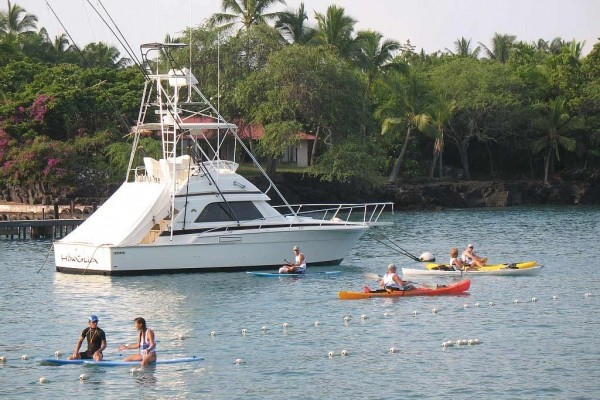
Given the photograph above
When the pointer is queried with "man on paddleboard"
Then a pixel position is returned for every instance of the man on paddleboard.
(96, 340)
(298, 267)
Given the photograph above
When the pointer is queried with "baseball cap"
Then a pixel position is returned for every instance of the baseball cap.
(93, 318)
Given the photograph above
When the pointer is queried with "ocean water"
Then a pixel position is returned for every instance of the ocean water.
(547, 348)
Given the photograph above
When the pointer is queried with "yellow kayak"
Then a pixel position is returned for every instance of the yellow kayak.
(491, 267)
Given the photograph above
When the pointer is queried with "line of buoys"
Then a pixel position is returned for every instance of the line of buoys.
(460, 342)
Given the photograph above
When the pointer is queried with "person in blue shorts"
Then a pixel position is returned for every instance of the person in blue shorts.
(96, 342)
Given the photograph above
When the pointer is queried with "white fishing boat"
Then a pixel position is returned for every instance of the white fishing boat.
(191, 210)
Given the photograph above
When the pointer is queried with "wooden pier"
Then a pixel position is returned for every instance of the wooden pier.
(38, 228)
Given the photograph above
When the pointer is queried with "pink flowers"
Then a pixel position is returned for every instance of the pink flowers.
(38, 109)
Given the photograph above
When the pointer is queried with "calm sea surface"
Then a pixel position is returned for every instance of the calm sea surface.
(549, 348)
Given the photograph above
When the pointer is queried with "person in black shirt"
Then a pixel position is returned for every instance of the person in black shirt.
(96, 340)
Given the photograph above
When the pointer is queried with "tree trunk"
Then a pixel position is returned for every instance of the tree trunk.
(464, 157)
(547, 166)
(250, 141)
(396, 170)
(314, 147)
(271, 166)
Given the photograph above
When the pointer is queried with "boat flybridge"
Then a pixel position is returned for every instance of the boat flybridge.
(191, 210)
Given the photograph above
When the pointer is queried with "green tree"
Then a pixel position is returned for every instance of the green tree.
(292, 26)
(335, 29)
(442, 108)
(407, 106)
(245, 13)
(16, 22)
(501, 47)
(376, 55)
(102, 55)
(462, 48)
(556, 123)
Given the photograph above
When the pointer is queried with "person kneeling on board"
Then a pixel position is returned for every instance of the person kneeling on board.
(298, 267)
(146, 343)
(96, 340)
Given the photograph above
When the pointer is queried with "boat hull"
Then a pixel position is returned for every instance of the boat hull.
(490, 267)
(262, 249)
(493, 272)
(452, 289)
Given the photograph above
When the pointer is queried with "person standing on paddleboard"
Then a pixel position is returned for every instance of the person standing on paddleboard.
(146, 343)
(96, 339)
(298, 267)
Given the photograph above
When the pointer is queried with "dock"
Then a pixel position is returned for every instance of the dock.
(38, 228)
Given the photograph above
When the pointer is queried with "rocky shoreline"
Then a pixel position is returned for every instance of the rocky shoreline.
(299, 188)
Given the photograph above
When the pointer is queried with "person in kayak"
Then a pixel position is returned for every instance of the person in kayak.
(96, 340)
(298, 267)
(471, 259)
(146, 343)
(391, 282)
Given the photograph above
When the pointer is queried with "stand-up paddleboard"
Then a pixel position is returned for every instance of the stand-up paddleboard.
(116, 363)
(271, 274)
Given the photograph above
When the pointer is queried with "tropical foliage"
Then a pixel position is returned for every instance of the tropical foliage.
(382, 111)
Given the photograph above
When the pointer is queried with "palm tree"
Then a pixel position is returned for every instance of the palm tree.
(375, 55)
(576, 48)
(407, 106)
(61, 43)
(462, 48)
(292, 27)
(13, 24)
(441, 112)
(102, 55)
(501, 46)
(556, 123)
(244, 12)
(335, 28)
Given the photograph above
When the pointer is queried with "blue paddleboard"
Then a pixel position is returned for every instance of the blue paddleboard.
(270, 274)
(116, 363)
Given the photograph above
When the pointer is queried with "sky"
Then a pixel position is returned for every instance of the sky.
(429, 24)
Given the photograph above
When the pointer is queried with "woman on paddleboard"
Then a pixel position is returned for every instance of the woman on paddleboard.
(146, 343)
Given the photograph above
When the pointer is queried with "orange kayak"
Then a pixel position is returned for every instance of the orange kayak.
(454, 288)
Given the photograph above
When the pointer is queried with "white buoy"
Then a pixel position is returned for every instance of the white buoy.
(2, 359)
(363, 316)
(465, 305)
(244, 331)
(476, 304)
(43, 379)
(239, 361)
(57, 353)
(470, 342)
(24, 357)
(447, 343)
(285, 325)
(347, 318)
(491, 303)
(213, 333)
(427, 257)
(464, 342)
(331, 354)
(85, 377)
(458, 342)
(476, 341)
(317, 323)
(434, 310)
(264, 328)
(554, 297)
(516, 301)
(534, 299)
(393, 350)
(588, 295)
(345, 353)
(181, 336)
(415, 312)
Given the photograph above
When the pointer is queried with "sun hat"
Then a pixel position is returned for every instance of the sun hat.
(93, 318)
(296, 248)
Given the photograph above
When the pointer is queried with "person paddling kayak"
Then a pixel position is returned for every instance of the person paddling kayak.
(298, 267)
(391, 282)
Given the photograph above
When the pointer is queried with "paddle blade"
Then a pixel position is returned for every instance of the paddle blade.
(371, 276)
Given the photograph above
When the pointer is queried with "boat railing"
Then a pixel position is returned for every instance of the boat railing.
(366, 213)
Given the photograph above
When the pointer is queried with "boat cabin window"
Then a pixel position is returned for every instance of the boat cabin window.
(221, 212)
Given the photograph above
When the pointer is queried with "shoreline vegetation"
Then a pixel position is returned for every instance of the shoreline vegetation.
(459, 127)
